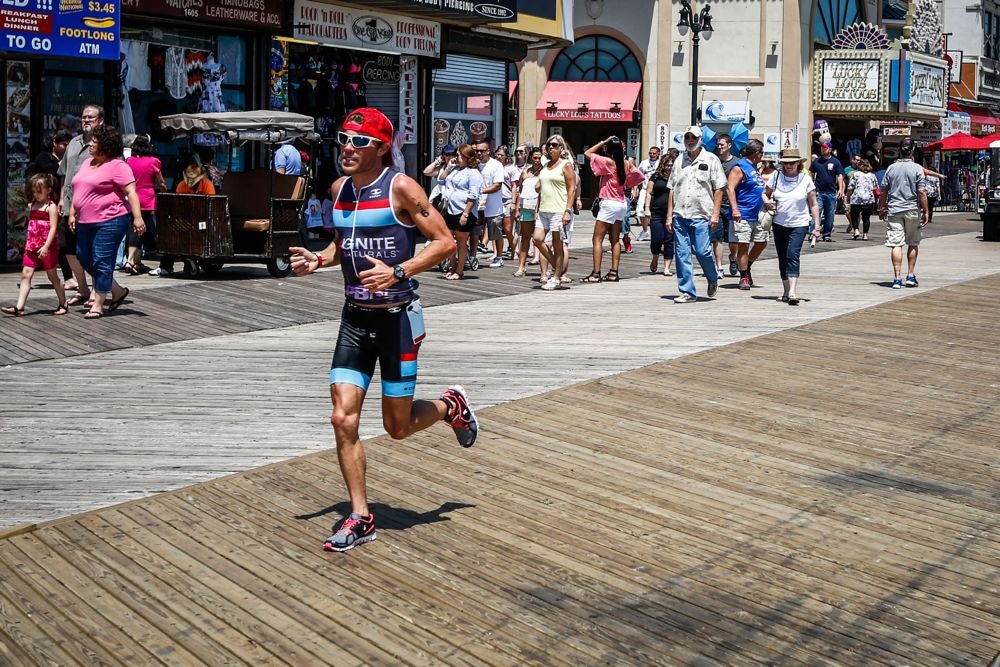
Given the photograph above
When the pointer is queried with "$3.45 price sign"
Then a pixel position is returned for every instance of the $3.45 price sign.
(74, 28)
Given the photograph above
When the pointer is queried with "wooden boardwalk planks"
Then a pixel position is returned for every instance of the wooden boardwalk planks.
(830, 510)
(243, 298)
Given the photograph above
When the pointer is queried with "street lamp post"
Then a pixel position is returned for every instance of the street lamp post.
(698, 23)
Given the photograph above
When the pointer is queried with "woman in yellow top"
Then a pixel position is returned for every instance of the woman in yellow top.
(556, 194)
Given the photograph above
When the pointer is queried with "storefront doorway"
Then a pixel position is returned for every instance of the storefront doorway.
(582, 136)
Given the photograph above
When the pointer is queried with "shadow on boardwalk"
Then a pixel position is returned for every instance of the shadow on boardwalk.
(834, 509)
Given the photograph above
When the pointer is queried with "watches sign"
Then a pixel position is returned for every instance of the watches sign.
(76, 28)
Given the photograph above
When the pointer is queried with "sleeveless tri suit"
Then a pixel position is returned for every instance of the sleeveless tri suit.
(386, 326)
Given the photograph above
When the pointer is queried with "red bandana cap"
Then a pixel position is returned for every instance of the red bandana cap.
(371, 122)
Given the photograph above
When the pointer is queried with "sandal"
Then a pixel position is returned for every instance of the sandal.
(454, 276)
(78, 299)
(93, 315)
(12, 310)
(61, 310)
(519, 273)
(611, 276)
(113, 306)
(129, 269)
(594, 277)
(654, 264)
(565, 280)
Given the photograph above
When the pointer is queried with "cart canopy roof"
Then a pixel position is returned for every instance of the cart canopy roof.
(267, 126)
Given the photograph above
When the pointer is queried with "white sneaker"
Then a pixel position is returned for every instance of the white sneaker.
(685, 298)
(551, 284)
(496, 263)
(644, 236)
(159, 273)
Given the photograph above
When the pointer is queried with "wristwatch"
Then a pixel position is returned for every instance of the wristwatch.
(399, 272)
(570, 211)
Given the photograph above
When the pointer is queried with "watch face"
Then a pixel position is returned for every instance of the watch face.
(399, 271)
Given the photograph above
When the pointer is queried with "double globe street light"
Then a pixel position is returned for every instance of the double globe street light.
(700, 23)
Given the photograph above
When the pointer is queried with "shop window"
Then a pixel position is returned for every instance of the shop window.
(182, 71)
(832, 16)
(596, 58)
(463, 117)
(63, 97)
(448, 101)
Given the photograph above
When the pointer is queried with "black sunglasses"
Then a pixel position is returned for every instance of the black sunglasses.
(553, 144)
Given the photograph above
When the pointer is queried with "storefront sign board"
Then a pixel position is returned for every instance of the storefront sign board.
(927, 135)
(956, 122)
(725, 111)
(928, 85)
(772, 144)
(259, 14)
(632, 143)
(848, 80)
(851, 81)
(353, 28)
(789, 138)
(72, 28)
(662, 136)
(408, 99)
(496, 10)
(955, 69)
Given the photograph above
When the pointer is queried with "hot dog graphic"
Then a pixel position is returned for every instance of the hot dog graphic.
(100, 23)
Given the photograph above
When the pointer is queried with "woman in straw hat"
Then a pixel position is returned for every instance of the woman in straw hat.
(792, 196)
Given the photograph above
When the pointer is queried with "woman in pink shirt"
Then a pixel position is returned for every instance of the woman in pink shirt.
(148, 174)
(616, 174)
(104, 205)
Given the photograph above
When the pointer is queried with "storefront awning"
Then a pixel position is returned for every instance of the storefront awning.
(588, 100)
(511, 89)
(982, 119)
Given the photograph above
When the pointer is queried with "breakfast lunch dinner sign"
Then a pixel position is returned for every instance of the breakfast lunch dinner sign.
(334, 25)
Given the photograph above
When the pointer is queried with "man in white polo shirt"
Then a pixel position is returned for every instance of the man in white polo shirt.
(491, 199)
(696, 185)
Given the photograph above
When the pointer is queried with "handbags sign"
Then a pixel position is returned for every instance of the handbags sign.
(246, 13)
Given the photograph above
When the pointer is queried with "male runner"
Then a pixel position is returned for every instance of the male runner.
(377, 214)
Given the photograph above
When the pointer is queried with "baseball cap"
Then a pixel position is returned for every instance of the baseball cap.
(695, 130)
(449, 148)
(371, 122)
(826, 144)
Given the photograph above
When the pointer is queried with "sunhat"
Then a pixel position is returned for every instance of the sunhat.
(790, 155)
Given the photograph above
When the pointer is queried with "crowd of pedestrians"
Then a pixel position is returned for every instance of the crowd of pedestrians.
(518, 205)
(692, 205)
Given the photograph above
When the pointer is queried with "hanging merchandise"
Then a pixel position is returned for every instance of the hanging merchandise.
(176, 73)
(279, 75)
(194, 63)
(211, 98)
(126, 124)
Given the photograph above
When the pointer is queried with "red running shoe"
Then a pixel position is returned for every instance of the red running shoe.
(460, 415)
(351, 532)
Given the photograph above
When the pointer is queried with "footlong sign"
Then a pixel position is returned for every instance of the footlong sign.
(77, 28)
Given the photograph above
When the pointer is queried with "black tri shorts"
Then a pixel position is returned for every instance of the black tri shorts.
(391, 336)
